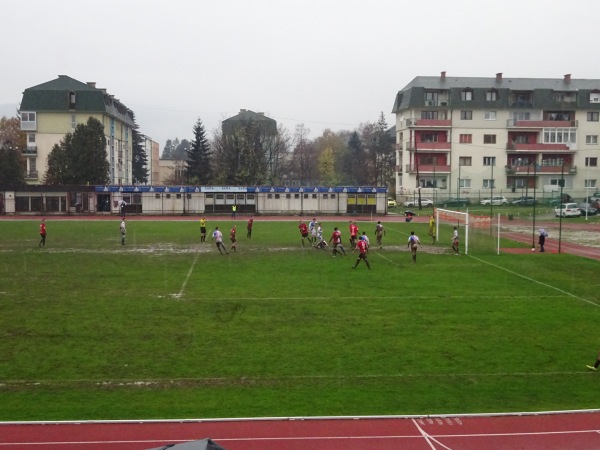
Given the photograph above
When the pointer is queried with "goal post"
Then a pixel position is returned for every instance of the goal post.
(454, 218)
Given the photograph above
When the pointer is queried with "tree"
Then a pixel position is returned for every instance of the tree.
(250, 154)
(304, 159)
(169, 149)
(80, 158)
(139, 163)
(198, 164)
(12, 142)
(379, 146)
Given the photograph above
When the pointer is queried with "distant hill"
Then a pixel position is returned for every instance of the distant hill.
(8, 109)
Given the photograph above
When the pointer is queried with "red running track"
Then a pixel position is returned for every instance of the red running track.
(548, 431)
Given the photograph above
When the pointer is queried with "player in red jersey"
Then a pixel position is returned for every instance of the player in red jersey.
(336, 237)
(353, 233)
(249, 227)
(233, 239)
(43, 233)
(303, 231)
(363, 249)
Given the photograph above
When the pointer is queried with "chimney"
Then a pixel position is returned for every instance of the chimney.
(568, 78)
(91, 84)
(499, 77)
(242, 110)
(443, 76)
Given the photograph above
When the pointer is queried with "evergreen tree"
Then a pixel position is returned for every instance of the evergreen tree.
(198, 168)
(139, 164)
(81, 157)
(169, 149)
(12, 142)
(12, 166)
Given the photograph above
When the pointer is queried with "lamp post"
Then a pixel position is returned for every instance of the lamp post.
(493, 161)
(534, 201)
(458, 187)
(588, 203)
(562, 208)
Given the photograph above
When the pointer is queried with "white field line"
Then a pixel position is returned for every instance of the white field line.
(538, 282)
(178, 295)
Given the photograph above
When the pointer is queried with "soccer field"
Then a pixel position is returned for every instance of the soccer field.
(166, 327)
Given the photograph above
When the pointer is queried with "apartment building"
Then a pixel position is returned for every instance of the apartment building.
(466, 135)
(51, 110)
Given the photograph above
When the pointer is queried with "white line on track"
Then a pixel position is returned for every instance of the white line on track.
(538, 282)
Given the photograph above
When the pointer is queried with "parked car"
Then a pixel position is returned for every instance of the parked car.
(392, 203)
(587, 210)
(454, 201)
(558, 200)
(590, 203)
(567, 210)
(412, 203)
(524, 201)
(496, 200)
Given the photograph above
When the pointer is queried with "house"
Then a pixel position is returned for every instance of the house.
(468, 135)
(51, 110)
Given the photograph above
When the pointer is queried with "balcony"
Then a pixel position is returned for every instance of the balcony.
(429, 123)
(512, 123)
(430, 146)
(529, 170)
(31, 175)
(538, 147)
(427, 169)
(30, 150)
(28, 125)
(436, 103)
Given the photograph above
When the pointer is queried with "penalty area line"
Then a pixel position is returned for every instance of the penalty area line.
(538, 282)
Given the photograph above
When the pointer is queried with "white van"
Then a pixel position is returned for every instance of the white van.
(567, 210)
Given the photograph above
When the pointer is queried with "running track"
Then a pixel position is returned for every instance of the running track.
(548, 431)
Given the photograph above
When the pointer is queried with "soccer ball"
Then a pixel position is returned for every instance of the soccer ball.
(532, 249)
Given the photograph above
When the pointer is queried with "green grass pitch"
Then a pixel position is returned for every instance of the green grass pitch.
(166, 327)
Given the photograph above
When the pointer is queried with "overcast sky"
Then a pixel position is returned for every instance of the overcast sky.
(322, 63)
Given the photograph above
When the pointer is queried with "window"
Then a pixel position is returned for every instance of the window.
(466, 115)
(591, 139)
(522, 115)
(466, 95)
(593, 116)
(73, 121)
(518, 183)
(429, 137)
(431, 98)
(489, 160)
(491, 96)
(488, 184)
(591, 162)
(490, 115)
(464, 183)
(31, 138)
(466, 139)
(559, 136)
(464, 161)
(431, 115)
(27, 117)
(72, 99)
(590, 183)
(595, 97)
(489, 138)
